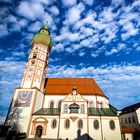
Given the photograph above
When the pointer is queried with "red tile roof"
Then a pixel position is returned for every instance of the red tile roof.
(63, 86)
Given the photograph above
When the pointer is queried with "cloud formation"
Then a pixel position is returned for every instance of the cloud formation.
(111, 78)
(90, 39)
(31, 11)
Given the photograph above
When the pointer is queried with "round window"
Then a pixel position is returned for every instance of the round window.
(67, 124)
(112, 124)
(54, 122)
(96, 124)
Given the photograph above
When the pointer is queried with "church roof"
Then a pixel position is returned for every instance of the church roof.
(47, 111)
(91, 112)
(64, 86)
(101, 112)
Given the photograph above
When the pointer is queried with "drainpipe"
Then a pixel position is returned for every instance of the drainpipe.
(101, 126)
(87, 120)
(100, 119)
(59, 123)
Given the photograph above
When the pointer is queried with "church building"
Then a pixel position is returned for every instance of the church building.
(59, 108)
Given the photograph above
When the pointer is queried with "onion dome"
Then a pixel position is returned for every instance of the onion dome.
(43, 36)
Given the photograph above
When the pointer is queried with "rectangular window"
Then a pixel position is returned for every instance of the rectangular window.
(129, 119)
(126, 120)
(133, 119)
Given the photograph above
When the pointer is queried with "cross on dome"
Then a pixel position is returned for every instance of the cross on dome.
(46, 25)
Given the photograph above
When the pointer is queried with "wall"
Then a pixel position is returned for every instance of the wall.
(108, 133)
(135, 124)
(39, 101)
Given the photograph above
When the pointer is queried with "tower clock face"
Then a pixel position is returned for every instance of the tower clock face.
(23, 99)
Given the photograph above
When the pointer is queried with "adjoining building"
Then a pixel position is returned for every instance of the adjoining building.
(130, 122)
(59, 108)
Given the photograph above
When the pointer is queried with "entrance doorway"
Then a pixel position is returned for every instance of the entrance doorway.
(39, 131)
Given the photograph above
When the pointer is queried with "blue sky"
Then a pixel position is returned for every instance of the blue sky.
(91, 38)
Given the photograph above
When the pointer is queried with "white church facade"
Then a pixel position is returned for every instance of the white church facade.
(59, 108)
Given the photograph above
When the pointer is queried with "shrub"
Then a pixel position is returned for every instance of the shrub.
(21, 136)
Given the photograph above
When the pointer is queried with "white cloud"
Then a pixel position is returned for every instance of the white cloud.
(34, 27)
(11, 19)
(90, 41)
(107, 15)
(93, 54)
(128, 27)
(81, 53)
(18, 54)
(58, 48)
(129, 34)
(3, 30)
(89, 2)
(85, 42)
(116, 3)
(15, 28)
(31, 11)
(68, 3)
(118, 81)
(73, 48)
(54, 10)
(67, 35)
(45, 2)
(23, 22)
(73, 36)
(74, 14)
(29, 36)
(12, 73)
(121, 46)
(86, 31)
(118, 48)
(138, 48)
(111, 52)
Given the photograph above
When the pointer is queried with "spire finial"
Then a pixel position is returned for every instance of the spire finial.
(46, 26)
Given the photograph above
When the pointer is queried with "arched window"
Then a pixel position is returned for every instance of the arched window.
(39, 131)
(82, 108)
(34, 55)
(91, 104)
(96, 124)
(32, 62)
(65, 108)
(54, 123)
(51, 105)
(67, 124)
(112, 124)
(80, 124)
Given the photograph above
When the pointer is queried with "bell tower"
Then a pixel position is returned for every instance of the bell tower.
(34, 74)
(28, 98)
